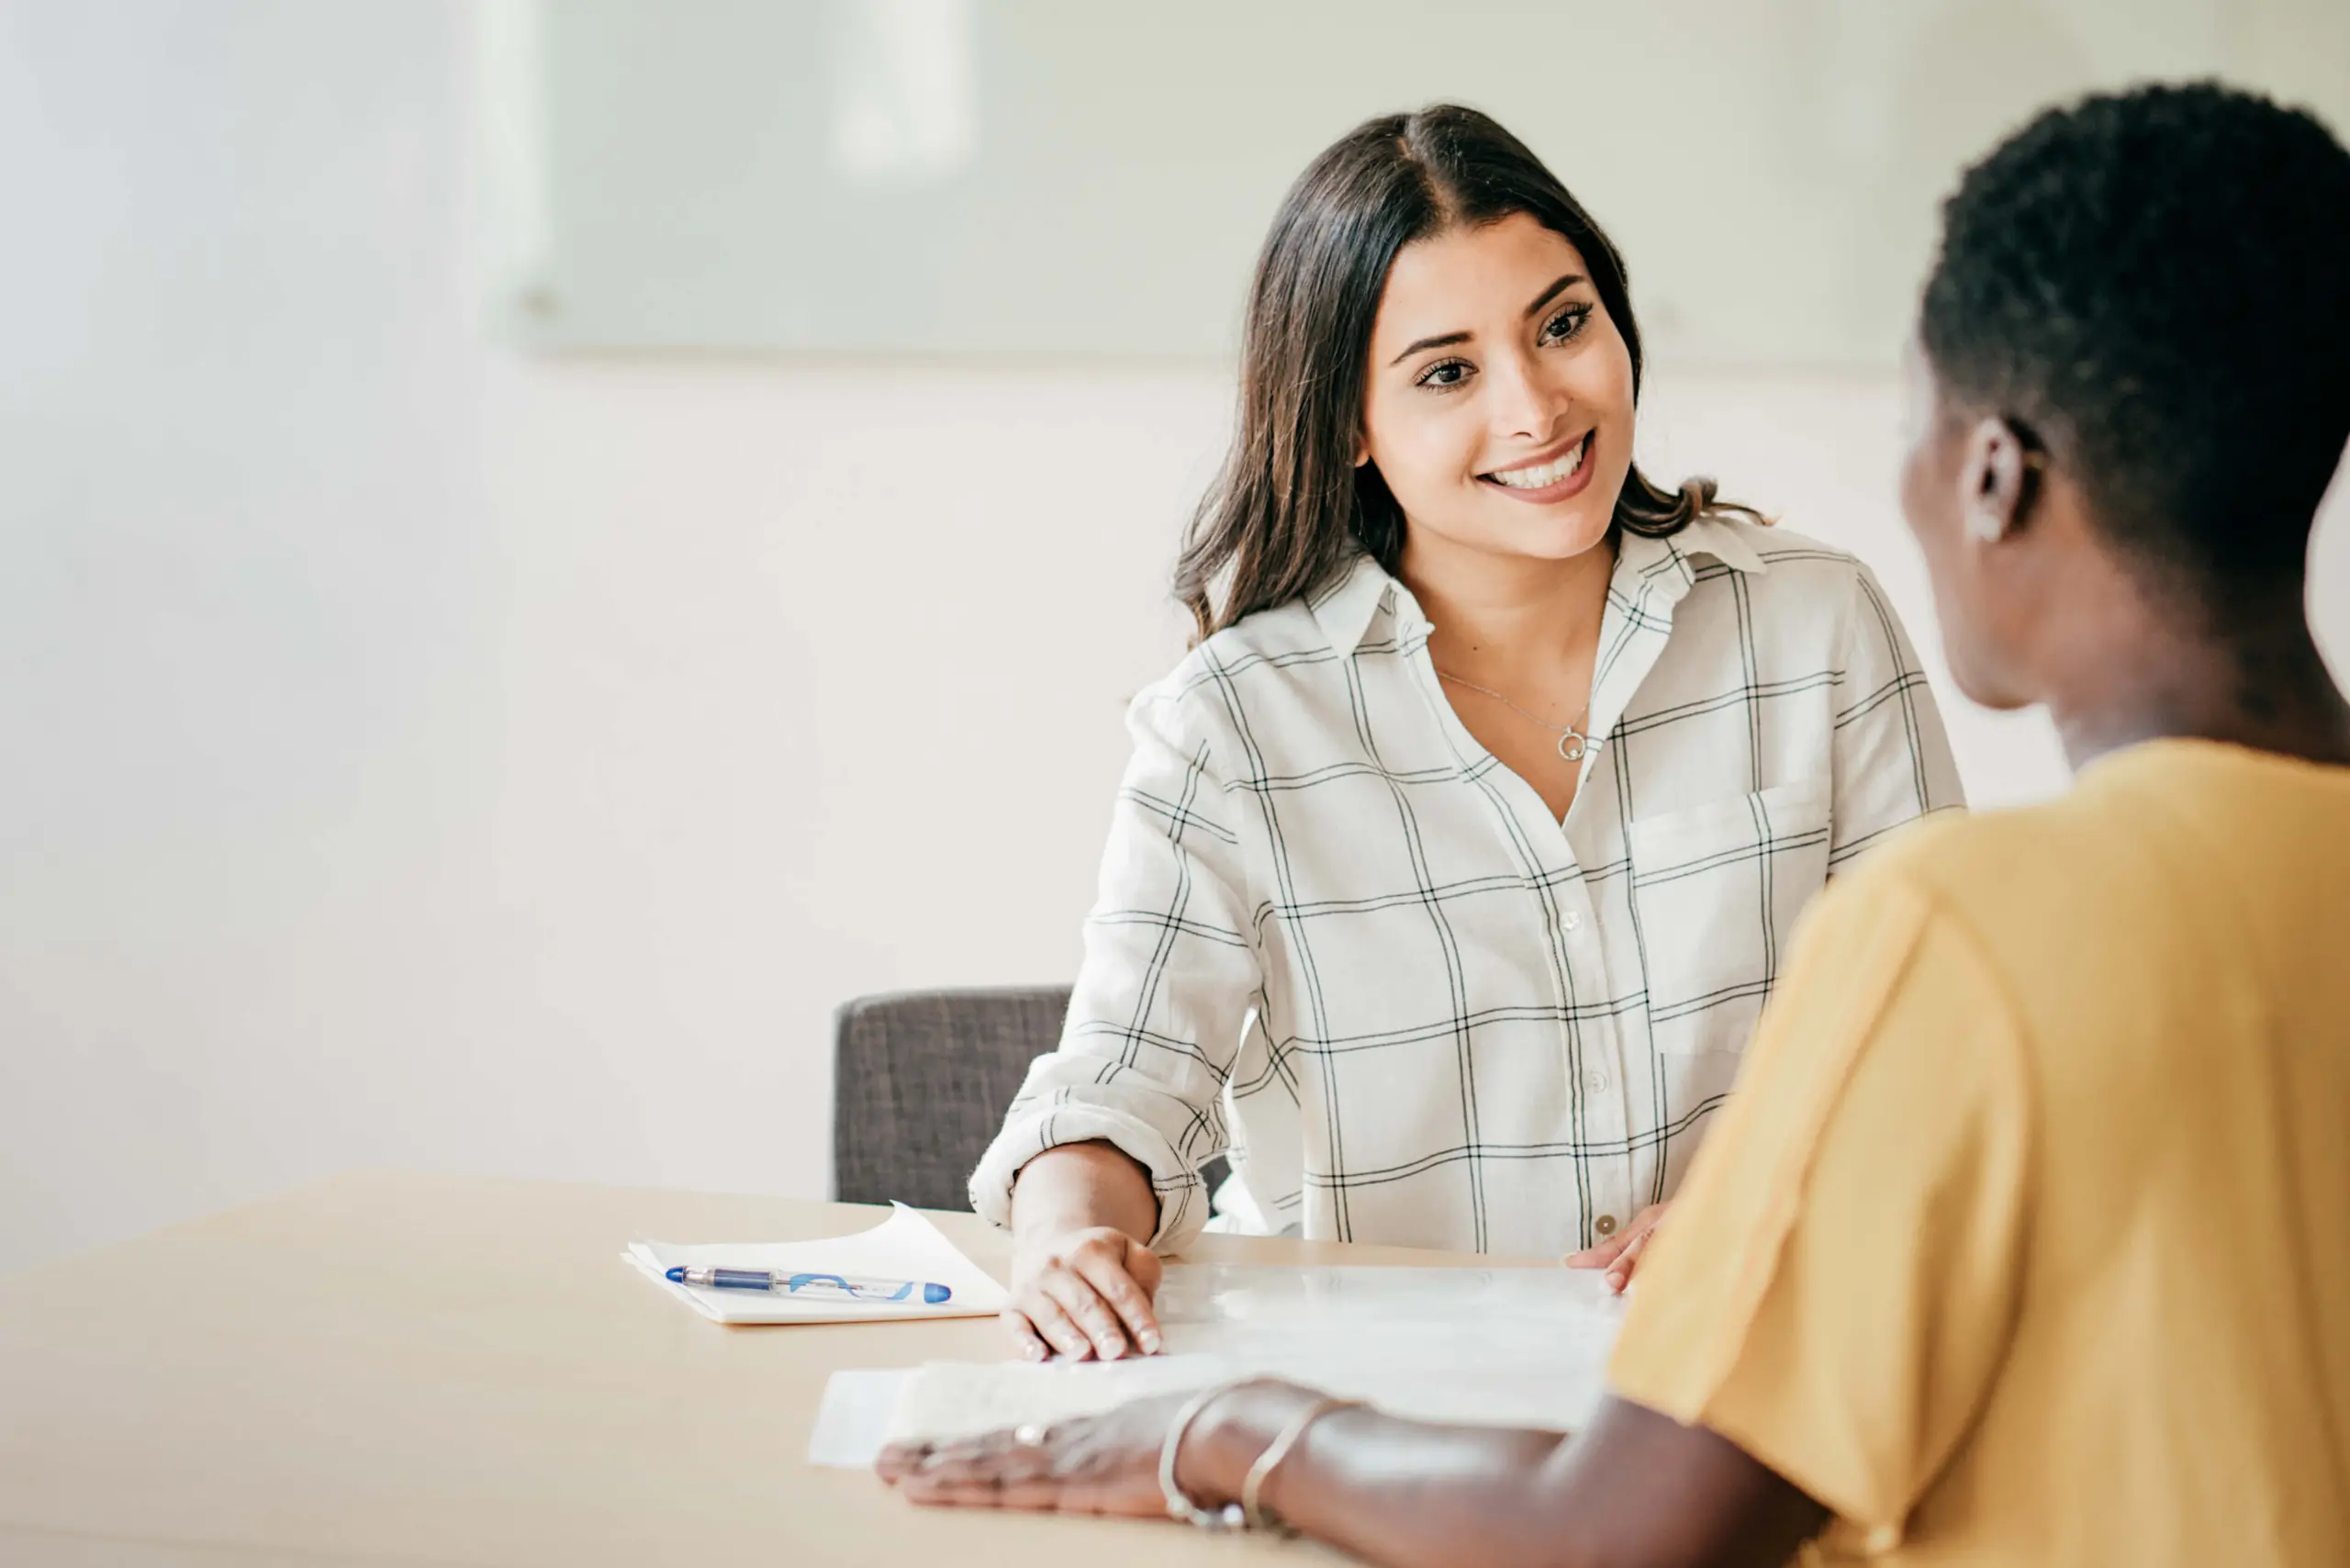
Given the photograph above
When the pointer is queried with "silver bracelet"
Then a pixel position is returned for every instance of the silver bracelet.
(1252, 1509)
(1181, 1507)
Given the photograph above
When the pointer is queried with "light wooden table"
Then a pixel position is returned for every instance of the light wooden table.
(404, 1368)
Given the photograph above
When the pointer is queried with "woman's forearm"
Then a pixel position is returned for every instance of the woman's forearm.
(1405, 1494)
(1410, 1493)
(1636, 1487)
(1080, 1185)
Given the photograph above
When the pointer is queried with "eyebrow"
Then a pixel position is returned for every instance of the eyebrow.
(1447, 338)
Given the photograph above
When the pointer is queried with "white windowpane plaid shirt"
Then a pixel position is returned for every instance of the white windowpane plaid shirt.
(1338, 940)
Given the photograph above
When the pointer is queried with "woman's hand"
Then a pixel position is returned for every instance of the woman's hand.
(1620, 1253)
(1643, 1487)
(1083, 1292)
(1098, 1464)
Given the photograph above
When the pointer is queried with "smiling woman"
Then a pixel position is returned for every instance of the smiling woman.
(1454, 864)
(1349, 251)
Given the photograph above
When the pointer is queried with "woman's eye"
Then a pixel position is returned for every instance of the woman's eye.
(1565, 324)
(1448, 374)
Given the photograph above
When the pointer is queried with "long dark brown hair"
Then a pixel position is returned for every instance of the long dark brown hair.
(1291, 507)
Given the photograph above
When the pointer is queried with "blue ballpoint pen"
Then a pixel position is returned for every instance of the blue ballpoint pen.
(826, 1284)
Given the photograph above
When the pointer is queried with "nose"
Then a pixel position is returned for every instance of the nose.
(1526, 403)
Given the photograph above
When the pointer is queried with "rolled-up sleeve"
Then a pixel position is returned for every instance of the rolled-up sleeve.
(1890, 758)
(1170, 975)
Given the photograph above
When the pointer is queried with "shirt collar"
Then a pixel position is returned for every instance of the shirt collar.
(1346, 607)
(1640, 559)
(1344, 610)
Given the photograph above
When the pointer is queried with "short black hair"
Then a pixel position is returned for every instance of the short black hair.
(2151, 282)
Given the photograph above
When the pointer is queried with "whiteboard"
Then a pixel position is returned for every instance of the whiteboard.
(1081, 179)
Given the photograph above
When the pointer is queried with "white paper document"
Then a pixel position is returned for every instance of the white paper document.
(854, 1421)
(1525, 1347)
(903, 1247)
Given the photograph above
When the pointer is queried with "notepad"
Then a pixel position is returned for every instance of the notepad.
(904, 1247)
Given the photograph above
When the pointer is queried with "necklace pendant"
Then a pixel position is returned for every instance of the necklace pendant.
(1570, 746)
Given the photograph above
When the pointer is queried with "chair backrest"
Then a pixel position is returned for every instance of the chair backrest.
(920, 1082)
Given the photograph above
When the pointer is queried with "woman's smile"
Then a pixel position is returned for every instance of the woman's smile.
(1553, 477)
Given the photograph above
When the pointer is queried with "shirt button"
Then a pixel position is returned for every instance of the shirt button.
(1572, 920)
(1594, 1081)
(1604, 1224)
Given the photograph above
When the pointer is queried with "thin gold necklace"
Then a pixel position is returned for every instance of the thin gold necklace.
(1565, 732)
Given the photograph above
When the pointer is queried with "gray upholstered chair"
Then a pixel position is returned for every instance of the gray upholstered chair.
(920, 1082)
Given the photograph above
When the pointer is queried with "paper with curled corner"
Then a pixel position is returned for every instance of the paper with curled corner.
(904, 1247)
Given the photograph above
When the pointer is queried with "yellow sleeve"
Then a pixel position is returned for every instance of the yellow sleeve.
(1835, 1288)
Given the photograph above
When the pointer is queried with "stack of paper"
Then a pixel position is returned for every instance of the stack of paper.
(903, 1247)
(1525, 1347)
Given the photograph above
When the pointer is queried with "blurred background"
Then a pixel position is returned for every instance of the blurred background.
(546, 544)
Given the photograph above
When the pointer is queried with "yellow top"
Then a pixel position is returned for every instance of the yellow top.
(2026, 1237)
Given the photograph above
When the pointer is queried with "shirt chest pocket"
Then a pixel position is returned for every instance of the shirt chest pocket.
(1716, 891)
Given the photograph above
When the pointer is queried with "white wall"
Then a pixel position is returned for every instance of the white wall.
(415, 755)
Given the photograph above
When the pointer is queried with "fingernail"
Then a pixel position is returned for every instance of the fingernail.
(1111, 1351)
(1149, 1344)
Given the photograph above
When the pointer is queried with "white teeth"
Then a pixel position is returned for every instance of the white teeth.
(1549, 474)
